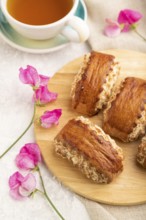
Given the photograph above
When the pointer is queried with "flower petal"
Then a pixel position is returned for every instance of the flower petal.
(112, 28)
(28, 185)
(44, 80)
(43, 96)
(25, 161)
(23, 192)
(50, 118)
(128, 17)
(15, 180)
(29, 76)
(32, 149)
(21, 186)
(14, 193)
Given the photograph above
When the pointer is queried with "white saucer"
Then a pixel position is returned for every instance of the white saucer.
(19, 42)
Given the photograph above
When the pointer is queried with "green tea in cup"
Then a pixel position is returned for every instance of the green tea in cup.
(38, 12)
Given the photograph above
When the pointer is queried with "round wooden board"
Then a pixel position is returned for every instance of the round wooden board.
(129, 188)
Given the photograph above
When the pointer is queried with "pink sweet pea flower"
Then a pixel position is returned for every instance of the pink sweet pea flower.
(20, 186)
(112, 28)
(44, 80)
(30, 76)
(43, 96)
(128, 18)
(28, 157)
(50, 118)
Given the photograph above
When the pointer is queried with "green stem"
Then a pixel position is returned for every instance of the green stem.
(47, 197)
(38, 190)
(10, 147)
(139, 34)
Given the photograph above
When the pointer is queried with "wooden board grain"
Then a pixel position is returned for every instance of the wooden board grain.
(129, 188)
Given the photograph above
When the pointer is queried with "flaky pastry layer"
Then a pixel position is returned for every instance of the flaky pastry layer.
(125, 115)
(108, 86)
(90, 149)
(79, 160)
(94, 83)
(141, 154)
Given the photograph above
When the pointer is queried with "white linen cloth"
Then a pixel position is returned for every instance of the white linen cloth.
(16, 110)
(97, 12)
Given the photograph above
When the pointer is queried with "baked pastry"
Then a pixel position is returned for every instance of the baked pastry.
(94, 83)
(125, 116)
(141, 155)
(90, 149)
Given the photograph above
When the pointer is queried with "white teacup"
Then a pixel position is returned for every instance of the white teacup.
(70, 26)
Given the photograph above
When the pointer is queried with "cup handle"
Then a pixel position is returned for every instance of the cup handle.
(76, 30)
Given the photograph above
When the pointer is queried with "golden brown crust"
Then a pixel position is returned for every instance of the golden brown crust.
(96, 149)
(141, 155)
(124, 112)
(89, 88)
